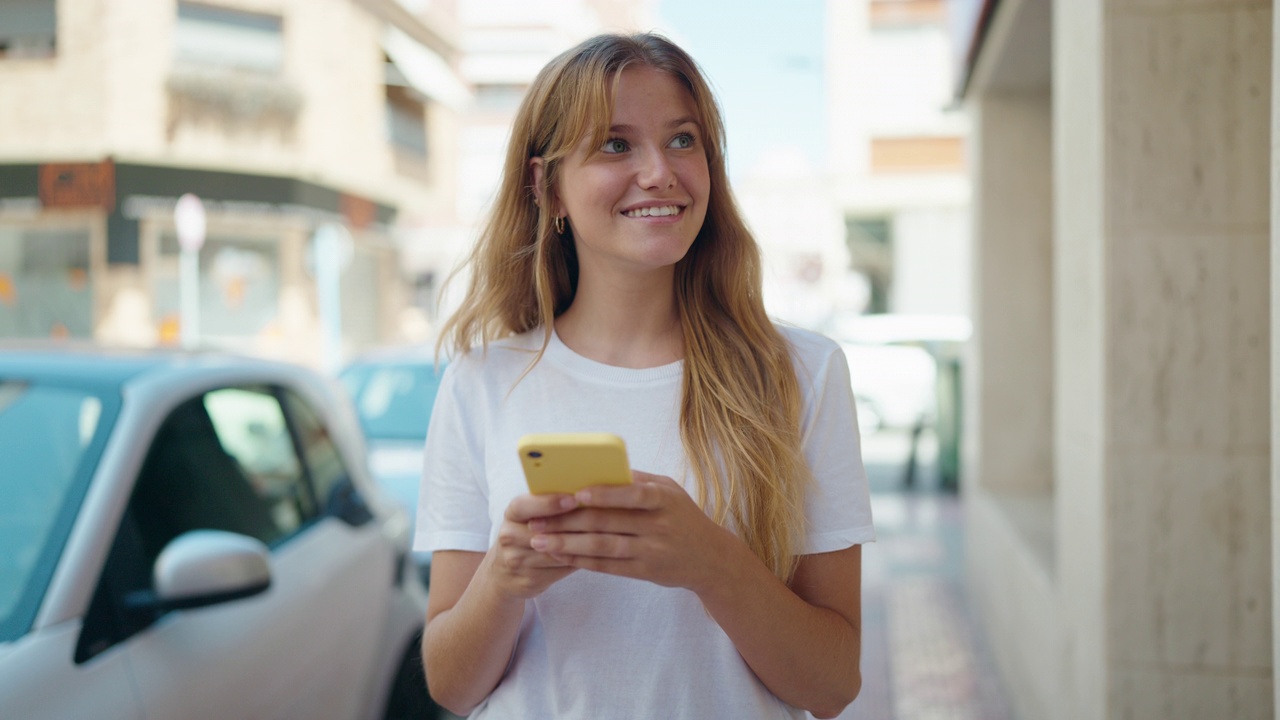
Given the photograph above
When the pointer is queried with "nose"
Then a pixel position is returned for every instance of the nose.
(656, 171)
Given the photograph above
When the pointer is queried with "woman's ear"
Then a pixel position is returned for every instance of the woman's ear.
(539, 168)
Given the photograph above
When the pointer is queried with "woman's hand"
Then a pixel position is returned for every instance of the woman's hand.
(516, 568)
(650, 530)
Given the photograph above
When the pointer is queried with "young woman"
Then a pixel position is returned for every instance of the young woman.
(617, 289)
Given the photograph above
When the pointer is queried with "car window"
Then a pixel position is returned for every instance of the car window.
(50, 438)
(393, 401)
(329, 474)
(222, 461)
(251, 427)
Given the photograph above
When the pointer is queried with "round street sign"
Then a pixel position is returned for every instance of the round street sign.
(188, 217)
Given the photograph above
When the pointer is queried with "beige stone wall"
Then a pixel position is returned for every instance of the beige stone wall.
(1154, 597)
(1187, 336)
(55, 107)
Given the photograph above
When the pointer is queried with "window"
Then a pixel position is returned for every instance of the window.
(239, 289)
(870, 241)
(406, 123)
(217, 37)
(28, 28)
(50, 437)
(44, 283)
(223, 461)
(328, 472)
(227, 460)
(251, 427)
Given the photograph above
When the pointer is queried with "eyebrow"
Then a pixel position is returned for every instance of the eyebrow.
(673, 124)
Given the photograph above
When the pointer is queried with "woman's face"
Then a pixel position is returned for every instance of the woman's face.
(638, 201)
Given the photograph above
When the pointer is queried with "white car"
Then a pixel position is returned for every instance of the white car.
(894, 384)
(187, 536)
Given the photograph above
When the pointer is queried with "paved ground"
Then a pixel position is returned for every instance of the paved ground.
(923, 658)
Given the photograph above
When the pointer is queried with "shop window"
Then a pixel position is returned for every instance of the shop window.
(28, 28)
(44, 283)
(216, 37)
(239, 290)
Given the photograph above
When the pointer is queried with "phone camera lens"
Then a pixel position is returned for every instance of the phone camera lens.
(535, 454)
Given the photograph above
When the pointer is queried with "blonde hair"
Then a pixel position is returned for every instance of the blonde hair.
(740, 406)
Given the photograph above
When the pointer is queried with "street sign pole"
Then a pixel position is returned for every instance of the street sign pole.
(189, 219)
(331, 252)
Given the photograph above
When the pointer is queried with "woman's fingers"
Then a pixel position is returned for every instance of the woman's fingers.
(570, 546)
(527, 507)
(646, 492)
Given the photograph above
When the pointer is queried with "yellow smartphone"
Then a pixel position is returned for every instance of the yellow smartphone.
(568, 462)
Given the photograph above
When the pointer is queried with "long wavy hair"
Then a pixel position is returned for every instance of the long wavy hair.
(740, 406)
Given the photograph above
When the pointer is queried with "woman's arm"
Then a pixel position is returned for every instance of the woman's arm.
(476, 605)
(803, 640)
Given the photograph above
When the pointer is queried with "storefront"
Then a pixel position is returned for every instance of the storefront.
(90, 251)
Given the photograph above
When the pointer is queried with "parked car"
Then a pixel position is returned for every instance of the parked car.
(393, 392)
(196, 536)
(894, 384)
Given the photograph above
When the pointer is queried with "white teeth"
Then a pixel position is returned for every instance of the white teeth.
(654, 211)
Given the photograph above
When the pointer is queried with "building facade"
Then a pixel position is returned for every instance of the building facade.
(897, 157)
(1119, 482)
(282, 116)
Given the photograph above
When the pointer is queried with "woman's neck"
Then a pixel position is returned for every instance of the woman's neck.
(625, 324)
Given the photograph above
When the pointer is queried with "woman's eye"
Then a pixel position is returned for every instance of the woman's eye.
(615, 146)
(682, 141)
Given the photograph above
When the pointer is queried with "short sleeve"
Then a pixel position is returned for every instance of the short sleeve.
(453, 504)
(838, 509)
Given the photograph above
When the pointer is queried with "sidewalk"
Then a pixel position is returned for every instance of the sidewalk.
(923, 658)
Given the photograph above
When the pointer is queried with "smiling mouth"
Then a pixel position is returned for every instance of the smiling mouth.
(663, 211)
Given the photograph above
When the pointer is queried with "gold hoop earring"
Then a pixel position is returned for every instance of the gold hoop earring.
(558, 224)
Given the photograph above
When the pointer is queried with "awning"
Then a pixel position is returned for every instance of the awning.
(426, 71)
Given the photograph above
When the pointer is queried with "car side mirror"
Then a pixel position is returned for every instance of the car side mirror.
(205, 567)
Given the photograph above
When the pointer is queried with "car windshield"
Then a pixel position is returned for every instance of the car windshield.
(393, 400)
(50, 439)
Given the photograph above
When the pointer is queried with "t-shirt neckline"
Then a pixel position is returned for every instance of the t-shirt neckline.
(564, 356)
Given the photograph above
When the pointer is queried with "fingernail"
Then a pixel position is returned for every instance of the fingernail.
(538, 543)
(537, 526)
(583, 496)
(568, 503)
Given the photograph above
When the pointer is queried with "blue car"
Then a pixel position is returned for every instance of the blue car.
(393, 393)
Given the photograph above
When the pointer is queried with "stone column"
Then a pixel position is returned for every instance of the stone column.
(1012, 294)
(1162, 121)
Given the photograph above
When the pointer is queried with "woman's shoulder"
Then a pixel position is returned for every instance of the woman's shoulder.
(497, 358)
(807, 344)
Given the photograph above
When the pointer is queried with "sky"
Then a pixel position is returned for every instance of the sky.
(764, 59)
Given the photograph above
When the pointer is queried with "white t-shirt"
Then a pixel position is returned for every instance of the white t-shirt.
(596, 646)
